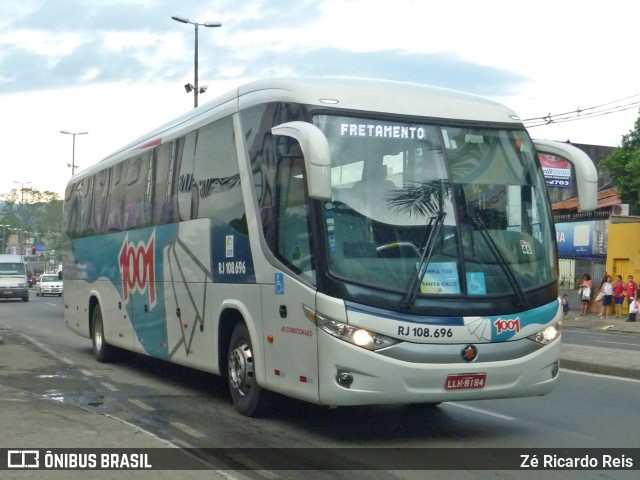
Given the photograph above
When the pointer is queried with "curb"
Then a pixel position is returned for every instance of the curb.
(610, 370)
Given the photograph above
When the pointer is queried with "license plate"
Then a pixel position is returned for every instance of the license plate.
(8, 292)
(466, 381)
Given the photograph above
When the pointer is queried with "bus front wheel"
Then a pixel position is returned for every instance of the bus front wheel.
(248, 398)
(101, 349)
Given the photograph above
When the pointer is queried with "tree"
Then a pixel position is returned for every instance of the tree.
(623, 164)
(38, 213)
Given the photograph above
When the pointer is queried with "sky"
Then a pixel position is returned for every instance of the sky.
(117, 68)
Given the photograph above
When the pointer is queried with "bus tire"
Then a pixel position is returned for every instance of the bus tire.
(248, 398)
(103, 352)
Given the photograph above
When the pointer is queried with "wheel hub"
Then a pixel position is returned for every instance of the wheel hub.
(241, 368)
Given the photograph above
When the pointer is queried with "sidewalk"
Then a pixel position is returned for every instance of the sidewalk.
(606, 361)
(29, 421)
(33, 423)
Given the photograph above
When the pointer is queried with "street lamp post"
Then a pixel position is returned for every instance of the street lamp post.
(188, 87)
(4, 238)
(73, 150)
(22, 184)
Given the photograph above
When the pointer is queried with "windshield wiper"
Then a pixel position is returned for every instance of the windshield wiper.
(433, 227)
(506, 268)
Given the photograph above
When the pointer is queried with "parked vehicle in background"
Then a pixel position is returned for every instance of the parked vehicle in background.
(13, 277)
(49, 284)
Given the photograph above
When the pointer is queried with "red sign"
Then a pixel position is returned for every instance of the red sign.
(466, 381)
(503, 325)
(137, 266)
(557, 170)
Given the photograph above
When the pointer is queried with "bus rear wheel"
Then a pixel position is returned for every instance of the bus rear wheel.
(103, 352)
(248, 398)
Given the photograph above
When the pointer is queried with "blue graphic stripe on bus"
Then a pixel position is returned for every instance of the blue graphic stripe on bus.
(133, 262)
(424, 320)
(501, 327)
(231, 259)
(505, 327)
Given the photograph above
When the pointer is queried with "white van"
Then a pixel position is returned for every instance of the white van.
(13, 277)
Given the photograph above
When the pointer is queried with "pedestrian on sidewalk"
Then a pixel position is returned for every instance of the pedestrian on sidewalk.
(618, 295)
(605, 275)
(585, 294)
(634, 306)
(607, 296)
(565, 305)
(630, 290)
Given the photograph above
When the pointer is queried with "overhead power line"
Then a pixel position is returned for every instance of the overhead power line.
(584, 113)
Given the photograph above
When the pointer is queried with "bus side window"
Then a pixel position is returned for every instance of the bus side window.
(137, 201)
(215, 173)
(162, 190)
(72, 212)
(186, 182)
(100, 192)
(170, 213)
(116, 199)
(131, 200)
(294, 239)
(86, 225)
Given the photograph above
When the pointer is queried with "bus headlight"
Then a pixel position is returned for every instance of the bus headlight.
(547, 335)
(354, 335)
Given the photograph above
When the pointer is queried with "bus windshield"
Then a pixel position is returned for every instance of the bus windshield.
(391, 180)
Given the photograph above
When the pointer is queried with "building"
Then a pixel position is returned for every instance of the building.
(594, 242)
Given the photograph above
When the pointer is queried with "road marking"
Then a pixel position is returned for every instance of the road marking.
(597, 335)
(619, 343)
(255, 466)
(142, 405)
(109, 386)
(226, 475)
(52, 304)
(46, 349)
(86, 372)
(601, 375)
(185, 445)
(480, 410)
(188, 430)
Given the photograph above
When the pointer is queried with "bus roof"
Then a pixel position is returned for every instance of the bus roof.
(355, 94)
(381, 96)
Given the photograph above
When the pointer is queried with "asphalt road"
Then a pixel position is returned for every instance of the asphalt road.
(192, 409)
(603, 340)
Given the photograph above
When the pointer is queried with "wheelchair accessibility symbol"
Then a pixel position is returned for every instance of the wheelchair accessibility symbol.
(279, 283)
(476, 284)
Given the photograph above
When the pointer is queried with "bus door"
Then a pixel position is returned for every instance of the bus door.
(291, 349)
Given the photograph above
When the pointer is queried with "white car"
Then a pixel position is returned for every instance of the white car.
(49, 284)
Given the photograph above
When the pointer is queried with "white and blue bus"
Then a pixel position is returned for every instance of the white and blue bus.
(339, 241)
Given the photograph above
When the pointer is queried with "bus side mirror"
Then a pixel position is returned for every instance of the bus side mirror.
(317, 159)
(586, 173)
